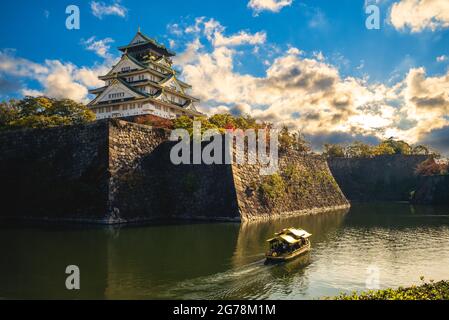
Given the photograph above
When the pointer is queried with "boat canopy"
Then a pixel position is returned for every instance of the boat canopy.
(299, 233)
(288, 238)
(285, 238)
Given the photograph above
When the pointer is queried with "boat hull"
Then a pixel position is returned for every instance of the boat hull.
(290, 256)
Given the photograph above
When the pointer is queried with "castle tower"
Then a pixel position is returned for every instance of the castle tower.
(143, 82)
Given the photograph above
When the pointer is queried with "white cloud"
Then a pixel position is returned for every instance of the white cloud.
(240, 38)
(59, 82)
(442, 58)
(268, 5)
(175, 29)
(19, 67)
(190, 54)
(31, 92)
(419, 15)
(100, 47)
(57, 79)
(100, 9)
(214, 33)
(295, 83)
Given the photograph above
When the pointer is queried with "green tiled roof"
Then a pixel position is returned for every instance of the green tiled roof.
(135, 61)
(132, 88)
(148, 40)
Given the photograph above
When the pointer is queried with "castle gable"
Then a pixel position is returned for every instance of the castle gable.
(173, 84)
(126, 64)
(138, 38)
(118, 91)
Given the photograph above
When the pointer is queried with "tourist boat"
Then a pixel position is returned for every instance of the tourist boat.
(288, 244)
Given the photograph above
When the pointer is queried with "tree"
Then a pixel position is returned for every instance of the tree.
(359, 150)
(430, 167)
(8, 113)
(334, 150)
(383, 149)
(293, 141)
(285, 139)
(223, 120)
(185, 122)
(399, 146)
(42, 112)
(301, 144)
(421, 150)
(75, 113)
(226, 121)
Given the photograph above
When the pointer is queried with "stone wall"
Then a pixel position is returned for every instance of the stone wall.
(59, 173)
(383, 178)
(302, 185)
(114, 171)
(432, 190)
(145, 185)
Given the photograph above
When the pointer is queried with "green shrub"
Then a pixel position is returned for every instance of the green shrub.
(292, 173)
(427, 291)
(272, 188)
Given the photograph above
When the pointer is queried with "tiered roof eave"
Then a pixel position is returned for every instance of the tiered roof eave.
(147, 42)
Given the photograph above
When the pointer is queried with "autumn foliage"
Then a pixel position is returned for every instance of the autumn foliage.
(431, 167)
(154, 121)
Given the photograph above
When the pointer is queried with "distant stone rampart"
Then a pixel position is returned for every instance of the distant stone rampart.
(432, 190)
(383, 178)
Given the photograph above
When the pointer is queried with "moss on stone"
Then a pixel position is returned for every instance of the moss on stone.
(272, 188)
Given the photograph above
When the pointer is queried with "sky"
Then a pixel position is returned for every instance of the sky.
(310, 64)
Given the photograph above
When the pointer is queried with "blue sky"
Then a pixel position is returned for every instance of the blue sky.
(339, 31)
(329, 37)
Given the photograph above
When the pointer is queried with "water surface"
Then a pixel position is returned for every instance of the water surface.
(226, 260)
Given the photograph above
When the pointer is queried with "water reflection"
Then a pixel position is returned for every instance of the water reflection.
(226, 261)
(252, 236)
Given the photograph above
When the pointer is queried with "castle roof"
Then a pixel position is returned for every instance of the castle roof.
(142, 42)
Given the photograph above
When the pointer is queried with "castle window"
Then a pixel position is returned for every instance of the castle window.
(125, 69)
(116, 95)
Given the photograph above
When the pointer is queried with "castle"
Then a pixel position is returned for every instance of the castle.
(143, 82)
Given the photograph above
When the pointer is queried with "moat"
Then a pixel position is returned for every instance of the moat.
(226, 260)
